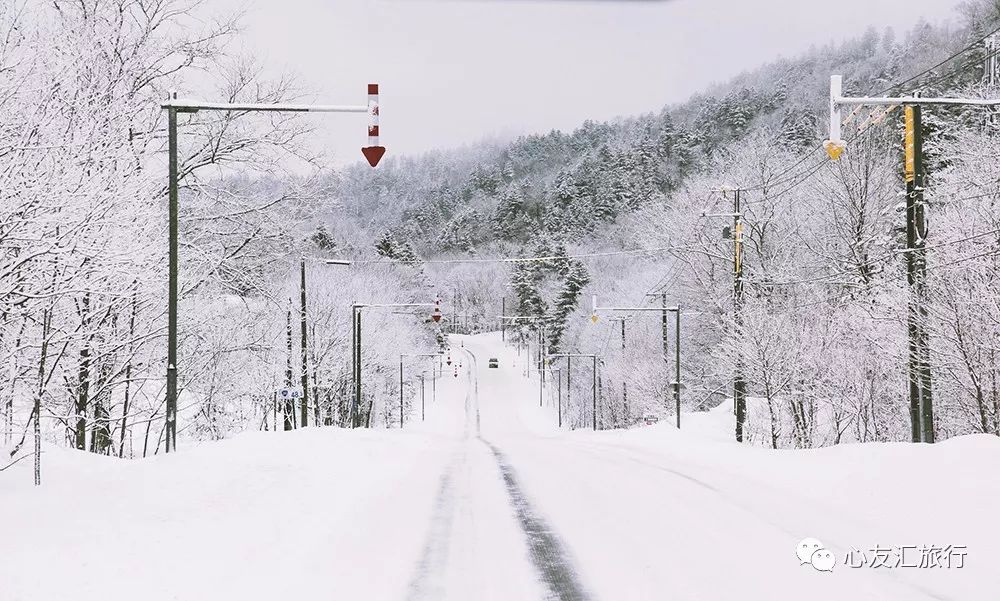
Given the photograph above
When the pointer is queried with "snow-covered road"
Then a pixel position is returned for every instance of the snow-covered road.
(488, 499)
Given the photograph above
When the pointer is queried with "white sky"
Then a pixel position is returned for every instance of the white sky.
(453, 72)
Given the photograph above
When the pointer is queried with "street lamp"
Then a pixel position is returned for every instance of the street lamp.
(569, 357)
(433, 381)
(540, 340)
(422, 375)
(676, 384)
(558, 373)
(173, 106)
(356, 345)
(304, 412)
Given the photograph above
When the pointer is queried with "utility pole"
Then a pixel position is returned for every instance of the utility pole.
(736, 235)
(594, 358)
(739, 384)
(918, 365)
(677, 364)
(541, 365)
(421, 376)
(173, 216)
(289, 407)
(921, 411)
(433, 380)
(992, 44)
(304, 414)
(676, 384)
(558, 373)
(593, 409)
(624, 379)
(355, 412)
(503, 311)
(356, 358)
(569, 384)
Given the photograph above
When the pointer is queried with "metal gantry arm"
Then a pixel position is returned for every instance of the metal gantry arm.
(401, 357)
(593, 357)
(193, 106)
(676, 310)
(356, 348)
(835, 145)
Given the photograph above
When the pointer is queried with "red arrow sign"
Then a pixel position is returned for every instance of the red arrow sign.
(373, 154)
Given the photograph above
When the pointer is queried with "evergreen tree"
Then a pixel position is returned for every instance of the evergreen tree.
(386, 246)
(322, 239)
(525, 282)
(575, 279)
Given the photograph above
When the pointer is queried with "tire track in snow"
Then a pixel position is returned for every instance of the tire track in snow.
(546, 550)
(426, 582)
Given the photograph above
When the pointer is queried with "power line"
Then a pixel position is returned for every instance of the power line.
(964, 259)
(635, 252)
(956, 72)
(811, 170)
(945, 61)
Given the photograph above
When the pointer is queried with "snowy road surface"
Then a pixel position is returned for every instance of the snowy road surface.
(487, 499)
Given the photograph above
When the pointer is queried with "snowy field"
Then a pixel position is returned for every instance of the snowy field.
(487, 499)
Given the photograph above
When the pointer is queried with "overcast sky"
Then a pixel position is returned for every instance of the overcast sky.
(453, 72)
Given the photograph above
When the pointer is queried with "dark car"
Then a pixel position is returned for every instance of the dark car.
(493, 363)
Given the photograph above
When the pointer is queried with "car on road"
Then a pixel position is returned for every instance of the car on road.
(493, 363)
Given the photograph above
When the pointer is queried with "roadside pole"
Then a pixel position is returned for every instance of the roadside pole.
(421, 376)
(288, 408)
(918, 364)
(173, 106)
(305, 346)
(676, 384)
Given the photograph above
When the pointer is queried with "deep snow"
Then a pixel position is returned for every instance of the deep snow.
(426, 513)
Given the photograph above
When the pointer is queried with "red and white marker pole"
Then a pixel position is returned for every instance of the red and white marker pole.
(373, 152)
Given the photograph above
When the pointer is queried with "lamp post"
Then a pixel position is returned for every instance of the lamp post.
(528, 318)
(558, 374)
(421, 376)
(356, 336)
(624, 380)
(174, 106)
(593, 357)
(433, 381)
(304, 411)
(676, 384)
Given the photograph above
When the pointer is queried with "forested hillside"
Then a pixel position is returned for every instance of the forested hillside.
(609, 209)
(567, 185)
(823, 332)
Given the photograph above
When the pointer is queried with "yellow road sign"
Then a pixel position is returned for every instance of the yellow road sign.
(909, 168)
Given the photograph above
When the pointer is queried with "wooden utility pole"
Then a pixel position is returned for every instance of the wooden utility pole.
(919, 369)
(304, 412)
(625, 414)
(503, 311)
(739, 384)
(289, 407)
